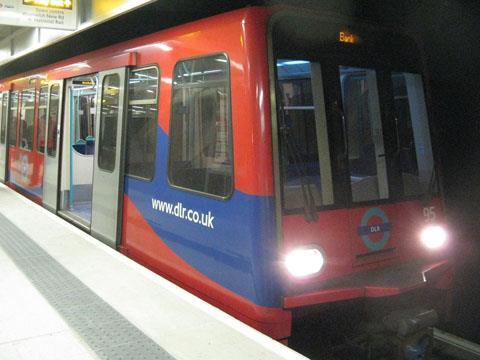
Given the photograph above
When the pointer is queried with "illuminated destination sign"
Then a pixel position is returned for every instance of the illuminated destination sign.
(348, 37)
(54, 14)
(53, 4)
(82, 82)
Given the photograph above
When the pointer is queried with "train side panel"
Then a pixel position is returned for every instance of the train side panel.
(25, 162)
(232, 261)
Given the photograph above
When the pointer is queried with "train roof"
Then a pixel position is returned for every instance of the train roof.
(148, 19)
(159, 15)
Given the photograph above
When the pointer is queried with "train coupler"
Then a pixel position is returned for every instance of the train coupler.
(402, 334)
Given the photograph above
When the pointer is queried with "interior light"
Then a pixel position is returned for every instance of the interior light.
(292, 62)
(433, 236)
(304, 261)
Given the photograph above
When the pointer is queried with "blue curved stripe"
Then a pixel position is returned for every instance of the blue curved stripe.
(239, 253)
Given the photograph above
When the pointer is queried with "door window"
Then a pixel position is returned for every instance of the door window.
(27, 112)
(3, 118)
(12, 118)
(42, 118)
(53, 121)
(107, 147)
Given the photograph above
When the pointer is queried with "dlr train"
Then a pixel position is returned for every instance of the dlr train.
(269, 160)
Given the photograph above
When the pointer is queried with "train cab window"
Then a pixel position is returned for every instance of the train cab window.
(42, 118)
(363, 123)
(200, 154)
(142, 123)
(3, 118)
(27, 113)
(414, 144)
(378, 137)
(13, 118)
(304, 146)
(53, 121)
(107, 146)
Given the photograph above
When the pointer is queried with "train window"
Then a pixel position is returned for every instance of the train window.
(42, 118)
(304, 147)
(200, 154)
(27, 112)
(414, 145)
(107, 146)
(13, 118)
(53, 121)
(142, 123)
(3, 118)
(366, 151)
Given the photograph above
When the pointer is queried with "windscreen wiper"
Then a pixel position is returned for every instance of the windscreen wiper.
(293, 151)
(428, 195)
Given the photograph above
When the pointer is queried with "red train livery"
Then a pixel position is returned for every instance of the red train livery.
(265, 159)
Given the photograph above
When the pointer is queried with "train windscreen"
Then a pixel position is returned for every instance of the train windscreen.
(351, 116)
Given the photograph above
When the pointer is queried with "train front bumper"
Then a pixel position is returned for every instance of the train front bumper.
(390, 281)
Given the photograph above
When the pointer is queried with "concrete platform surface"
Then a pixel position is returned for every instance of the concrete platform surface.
(65, 295)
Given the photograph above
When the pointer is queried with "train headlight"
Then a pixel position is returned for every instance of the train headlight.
(433, 236)
(304, 261)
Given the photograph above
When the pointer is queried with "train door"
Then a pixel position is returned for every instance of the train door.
(77, 150)
(108, 165)
(51, 149)
(12, 125)
(3, 135)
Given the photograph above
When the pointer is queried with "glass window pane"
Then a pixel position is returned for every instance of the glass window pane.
(143, 85)
(200, 128)
(304, 147)
(142, 123)
(53, 121)
(42, 118)
(3, 119)
(414, 145)
(12, 118)
(27, 113)
(107, 147)
(366, 152)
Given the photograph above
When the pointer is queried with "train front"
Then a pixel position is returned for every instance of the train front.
(360, 215)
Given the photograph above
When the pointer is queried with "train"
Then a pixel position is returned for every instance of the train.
(270, 159)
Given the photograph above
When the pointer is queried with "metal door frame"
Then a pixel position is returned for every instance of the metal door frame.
(51, 180)
(107, 192)
(4, 147)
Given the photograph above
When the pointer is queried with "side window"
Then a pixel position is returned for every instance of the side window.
(42, 118)
(53, 120)
(142, 123)
(200, 154)
(3, 118)
(107, 146)
(27, 112)
(13, 118)
(414, 144)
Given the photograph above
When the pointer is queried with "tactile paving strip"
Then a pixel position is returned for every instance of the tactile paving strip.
(102, 328)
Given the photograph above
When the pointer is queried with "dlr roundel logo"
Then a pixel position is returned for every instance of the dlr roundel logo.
(374, 229)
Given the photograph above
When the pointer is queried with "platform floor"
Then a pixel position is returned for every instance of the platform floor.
(65, 295)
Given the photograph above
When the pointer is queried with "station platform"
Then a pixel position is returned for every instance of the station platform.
(65, 295)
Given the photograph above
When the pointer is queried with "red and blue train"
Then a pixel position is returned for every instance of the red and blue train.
(267, 159)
